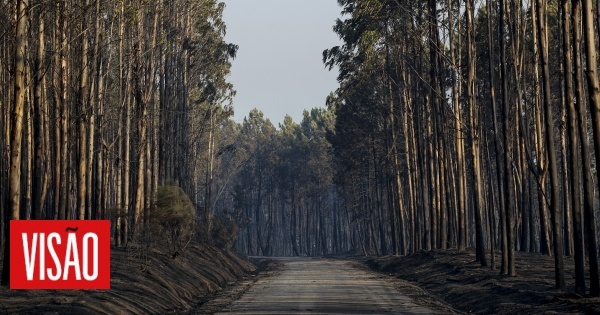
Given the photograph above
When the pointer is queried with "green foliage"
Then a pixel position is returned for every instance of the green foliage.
(172, 207)
(172, 219)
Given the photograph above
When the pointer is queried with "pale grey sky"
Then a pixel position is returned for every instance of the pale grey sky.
(279, 67)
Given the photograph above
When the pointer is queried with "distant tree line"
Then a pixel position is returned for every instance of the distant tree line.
(284, 188)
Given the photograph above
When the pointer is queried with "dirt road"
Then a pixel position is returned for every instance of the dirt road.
(318, 286)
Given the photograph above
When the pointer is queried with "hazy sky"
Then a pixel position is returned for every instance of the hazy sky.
(279, 67)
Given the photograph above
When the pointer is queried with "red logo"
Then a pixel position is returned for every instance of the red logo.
(60, 254)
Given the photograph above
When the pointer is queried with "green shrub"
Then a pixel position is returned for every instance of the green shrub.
(172, 220)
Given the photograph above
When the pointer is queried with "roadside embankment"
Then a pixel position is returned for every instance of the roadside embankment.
(457, 279)
(142, 282)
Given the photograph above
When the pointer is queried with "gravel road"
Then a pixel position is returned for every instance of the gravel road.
(323, 286)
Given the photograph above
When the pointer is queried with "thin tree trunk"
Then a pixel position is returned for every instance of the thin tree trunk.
(508, 250)
(38, 100)
(475, 135)
(83, 123)
(207, 215)
(395, 163)
(541, 171)
(549, 137)
(497, 156)
(27, 154)
(64, 118)
(575, 166)
(126, 160)
(594, 103)
(459, 142)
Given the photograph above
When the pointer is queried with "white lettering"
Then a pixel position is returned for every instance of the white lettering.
(52, 252)
(42, 256)
(86, 273)
(54, 271)
(72, 258)
(29, 254)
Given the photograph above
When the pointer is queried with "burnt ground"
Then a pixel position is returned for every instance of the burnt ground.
(205, 279)
(456, 279)
(142, 282)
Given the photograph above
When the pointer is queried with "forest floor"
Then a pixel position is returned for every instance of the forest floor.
(142, 282)
(205, 279)
(456, 279)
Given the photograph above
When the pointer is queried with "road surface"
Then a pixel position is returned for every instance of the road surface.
(323, 286)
